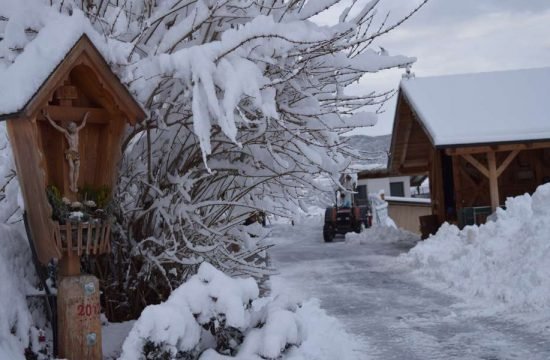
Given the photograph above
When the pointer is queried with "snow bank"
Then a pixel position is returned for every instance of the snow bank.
(113, 336)
(16, 270)
(325, 338)
(378, 233)
(15, 318)
(220, 317)
(502, 264)
(176, 323)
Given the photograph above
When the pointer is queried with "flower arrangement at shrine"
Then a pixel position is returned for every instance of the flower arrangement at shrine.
(94, 205)
(82, 226)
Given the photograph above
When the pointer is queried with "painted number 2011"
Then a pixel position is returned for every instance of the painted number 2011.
(88, 310)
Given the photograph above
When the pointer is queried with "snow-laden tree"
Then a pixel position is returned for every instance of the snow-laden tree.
(246, 98)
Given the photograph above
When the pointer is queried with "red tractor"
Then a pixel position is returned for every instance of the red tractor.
(341, 220)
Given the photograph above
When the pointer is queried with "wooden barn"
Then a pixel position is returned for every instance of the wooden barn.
(479, 137)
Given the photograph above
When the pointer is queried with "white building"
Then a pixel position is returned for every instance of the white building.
(377, 181)
(407, 196)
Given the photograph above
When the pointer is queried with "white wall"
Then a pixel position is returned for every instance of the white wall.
(375, 185)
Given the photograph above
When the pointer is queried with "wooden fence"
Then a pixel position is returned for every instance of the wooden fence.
(89, 238)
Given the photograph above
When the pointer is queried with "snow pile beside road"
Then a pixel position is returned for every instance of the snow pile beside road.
(378, 233)
(220, 317)
(503, 264)
(325, 337)
(16, 269)
(15, 318)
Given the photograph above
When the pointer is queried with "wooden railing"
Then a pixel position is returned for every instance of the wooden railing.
(89, 238)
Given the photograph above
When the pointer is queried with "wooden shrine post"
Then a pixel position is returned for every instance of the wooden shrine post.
(67, 139)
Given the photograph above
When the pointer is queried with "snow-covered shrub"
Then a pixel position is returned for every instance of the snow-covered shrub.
(503, 264)
(216, 312)
(246, 103)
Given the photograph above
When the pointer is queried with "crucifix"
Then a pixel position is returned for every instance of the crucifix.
(71, 153)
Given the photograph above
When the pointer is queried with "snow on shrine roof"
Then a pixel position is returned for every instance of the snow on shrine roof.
(28, 59)
(493, 107)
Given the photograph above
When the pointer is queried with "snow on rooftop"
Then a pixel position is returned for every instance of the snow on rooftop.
(415, 200)
(484, 107)
(362, 167)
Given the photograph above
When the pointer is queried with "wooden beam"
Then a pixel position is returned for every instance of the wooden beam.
(474, 194)
(493, 180)
(414, 170)
(507, 162)
(70, 113)
(438, 197)
(24, 141)
(497, 148)
(406, 144)
(539, 165)
(472, 160)
(415, 163)
(66, 92)
(69, 265)
(471, 188)
(457, 179)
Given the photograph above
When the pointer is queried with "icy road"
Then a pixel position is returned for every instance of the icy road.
(391, 313)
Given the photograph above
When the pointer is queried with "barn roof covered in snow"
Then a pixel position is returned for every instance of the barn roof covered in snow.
(493, 107)
(469, 113)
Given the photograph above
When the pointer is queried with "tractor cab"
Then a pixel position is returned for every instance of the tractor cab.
(345, 215)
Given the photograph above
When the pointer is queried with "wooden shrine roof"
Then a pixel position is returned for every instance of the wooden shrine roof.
(34, 86)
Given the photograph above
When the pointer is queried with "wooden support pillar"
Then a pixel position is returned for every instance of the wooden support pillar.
(472, 160)
(492, 172)
(406, 145)
(457, 179)
(438, 200)
(493, 180)
(539, 165)
(69, 265)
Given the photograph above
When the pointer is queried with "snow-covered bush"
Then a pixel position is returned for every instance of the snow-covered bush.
(502, 264)
(219, 147)
(213, 316)
(246, 100)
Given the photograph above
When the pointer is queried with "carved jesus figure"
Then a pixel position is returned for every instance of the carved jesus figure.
(71, 154)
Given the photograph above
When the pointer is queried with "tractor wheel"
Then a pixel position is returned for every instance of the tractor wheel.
(328, 233)
(357, 227)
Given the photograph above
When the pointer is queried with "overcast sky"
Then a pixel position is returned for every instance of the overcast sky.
(460, 36)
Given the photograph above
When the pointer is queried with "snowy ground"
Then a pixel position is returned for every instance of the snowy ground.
(373, 293)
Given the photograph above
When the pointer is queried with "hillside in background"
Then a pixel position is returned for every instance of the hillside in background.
(373, 149)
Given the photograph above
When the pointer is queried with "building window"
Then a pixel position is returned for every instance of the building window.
(397, 189)
(361, 192)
